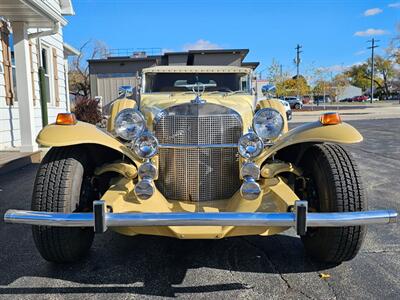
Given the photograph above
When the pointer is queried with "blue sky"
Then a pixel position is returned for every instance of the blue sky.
(332, 32)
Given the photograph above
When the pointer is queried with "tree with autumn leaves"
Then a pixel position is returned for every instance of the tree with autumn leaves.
(293, 87)
(384, 77)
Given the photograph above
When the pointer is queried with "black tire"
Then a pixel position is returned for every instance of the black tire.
(297, 106)
(334, 186)
(62, 185)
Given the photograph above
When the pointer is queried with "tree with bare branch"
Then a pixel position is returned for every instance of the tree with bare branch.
(79, 82)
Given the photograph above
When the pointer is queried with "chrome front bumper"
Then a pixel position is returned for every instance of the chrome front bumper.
(300, 218)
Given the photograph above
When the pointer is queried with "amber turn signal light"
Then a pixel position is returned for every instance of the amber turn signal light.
(331, 118)
(66, 119)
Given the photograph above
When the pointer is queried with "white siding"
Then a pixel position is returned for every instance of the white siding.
(9, 116)
(54, 4)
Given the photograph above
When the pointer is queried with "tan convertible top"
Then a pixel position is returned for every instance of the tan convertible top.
(197, 69)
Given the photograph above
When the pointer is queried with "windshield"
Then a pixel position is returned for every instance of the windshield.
(182, 82)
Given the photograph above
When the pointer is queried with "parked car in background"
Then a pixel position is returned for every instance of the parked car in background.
(306, 99)
(293, 101)
(359, 98)
(287, 108)
(322, 99)
(394, 97)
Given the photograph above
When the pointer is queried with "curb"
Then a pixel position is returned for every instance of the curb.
(29, 158)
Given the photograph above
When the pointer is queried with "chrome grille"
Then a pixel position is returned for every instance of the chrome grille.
(191, 173)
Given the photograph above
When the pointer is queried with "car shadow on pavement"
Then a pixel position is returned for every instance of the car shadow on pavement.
(149, 265)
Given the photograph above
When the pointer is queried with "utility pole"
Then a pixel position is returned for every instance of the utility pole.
(297, 62)
(372, 47)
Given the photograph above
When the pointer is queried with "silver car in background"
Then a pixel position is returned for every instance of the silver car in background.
(294, 102)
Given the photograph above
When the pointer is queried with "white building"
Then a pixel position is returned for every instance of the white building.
(31, 37)
(349, 91)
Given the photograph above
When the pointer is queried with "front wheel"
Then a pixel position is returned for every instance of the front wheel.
(333, 184)
(297, 106)
(62, 185)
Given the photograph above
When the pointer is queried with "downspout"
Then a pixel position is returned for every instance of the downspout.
(41, 73)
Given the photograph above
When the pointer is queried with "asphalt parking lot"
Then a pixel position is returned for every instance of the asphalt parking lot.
(245, 267)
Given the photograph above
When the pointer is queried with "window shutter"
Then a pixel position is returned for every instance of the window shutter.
(55, 74)
(5, 43)
(32, 72)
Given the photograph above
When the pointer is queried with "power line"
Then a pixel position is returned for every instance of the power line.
(372, 47)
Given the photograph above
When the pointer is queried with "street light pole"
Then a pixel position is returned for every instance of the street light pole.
(297, 62)
(372, 47)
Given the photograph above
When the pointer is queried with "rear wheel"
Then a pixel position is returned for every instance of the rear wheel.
(332, 185)
(297, 106)
(63, 185)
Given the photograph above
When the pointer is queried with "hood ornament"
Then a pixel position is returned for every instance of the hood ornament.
(198, 90)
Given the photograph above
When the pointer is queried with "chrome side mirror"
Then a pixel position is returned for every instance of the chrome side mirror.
(125, 91)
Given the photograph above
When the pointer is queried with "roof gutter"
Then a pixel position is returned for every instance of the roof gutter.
(71, 51)
(44, 9)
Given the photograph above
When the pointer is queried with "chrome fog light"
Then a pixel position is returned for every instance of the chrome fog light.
(250, 189)
(147, 170)
(250, 169)
(144, 189)
(146, 145)
(250, 145)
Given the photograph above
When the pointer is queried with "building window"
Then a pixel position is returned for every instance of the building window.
(48, 70)
(13, 70)
(14, 76)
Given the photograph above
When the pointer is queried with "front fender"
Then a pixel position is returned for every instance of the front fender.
(342, 133)
(275, 104)
(80, 133)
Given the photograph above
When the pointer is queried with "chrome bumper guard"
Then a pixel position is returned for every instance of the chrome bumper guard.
(299, 218)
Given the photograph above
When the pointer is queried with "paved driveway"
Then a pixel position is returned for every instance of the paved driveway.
(245, 267)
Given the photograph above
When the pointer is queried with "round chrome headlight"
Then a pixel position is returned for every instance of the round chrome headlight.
(250, 145)
(268, 123)
(146, 145)
(129, 124)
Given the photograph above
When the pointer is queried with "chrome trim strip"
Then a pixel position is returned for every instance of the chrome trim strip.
(201, 219)
(197, 146)
(197, 109)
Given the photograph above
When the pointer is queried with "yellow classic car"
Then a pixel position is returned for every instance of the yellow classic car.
(196, 157)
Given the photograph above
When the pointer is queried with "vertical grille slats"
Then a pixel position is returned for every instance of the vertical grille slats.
(198, 174)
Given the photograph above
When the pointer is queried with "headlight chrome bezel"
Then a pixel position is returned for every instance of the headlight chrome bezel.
(277, 131)
(250, 139)
(123, 133)
(137, 145)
